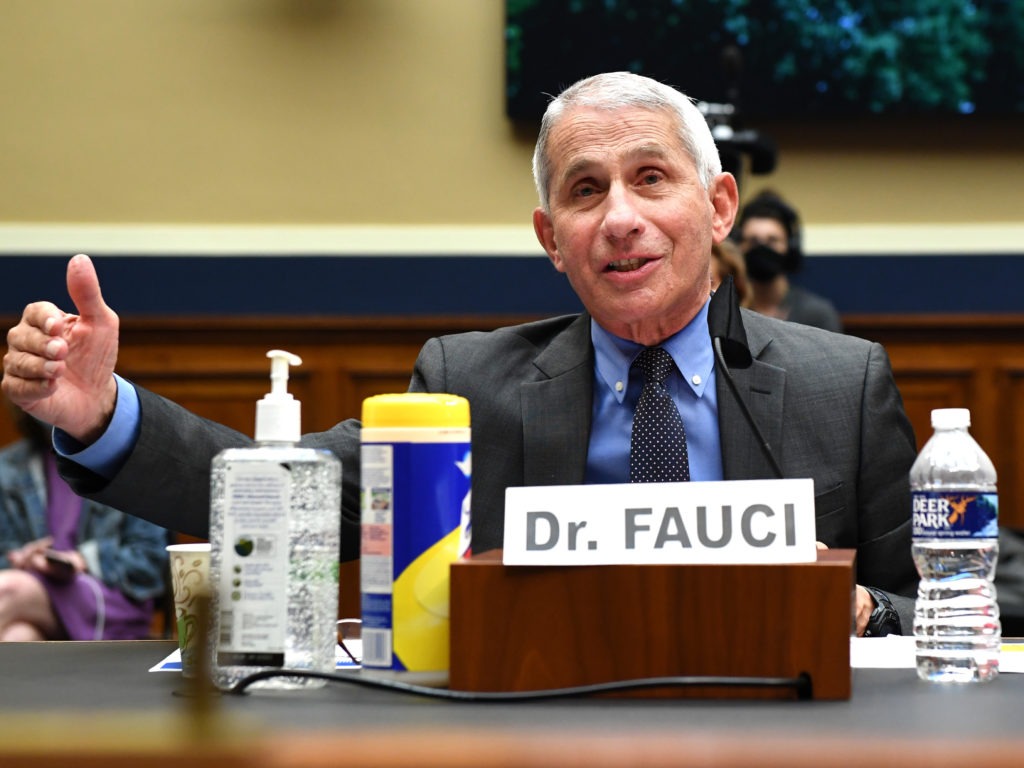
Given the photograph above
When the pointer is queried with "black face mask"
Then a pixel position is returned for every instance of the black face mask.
(764, 264)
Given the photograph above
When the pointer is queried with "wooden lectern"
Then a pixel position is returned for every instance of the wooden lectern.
(526, 628)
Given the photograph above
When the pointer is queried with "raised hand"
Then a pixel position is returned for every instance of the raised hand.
(59, 366)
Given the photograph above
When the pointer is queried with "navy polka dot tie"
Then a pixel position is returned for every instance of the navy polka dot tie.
(657, 450)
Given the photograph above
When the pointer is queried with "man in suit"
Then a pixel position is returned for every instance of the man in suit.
(632, 198)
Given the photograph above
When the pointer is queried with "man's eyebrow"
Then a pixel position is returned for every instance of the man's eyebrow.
(580, 165)
(577, 167)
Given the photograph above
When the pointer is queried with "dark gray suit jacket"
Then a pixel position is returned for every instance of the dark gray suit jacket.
(827, 404)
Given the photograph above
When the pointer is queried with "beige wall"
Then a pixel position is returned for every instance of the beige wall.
(353, 112)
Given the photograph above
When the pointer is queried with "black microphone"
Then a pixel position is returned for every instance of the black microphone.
(729, 340)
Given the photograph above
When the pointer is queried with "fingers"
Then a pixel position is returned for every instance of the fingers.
(864, 604)
(40, 322)
(27, 394)
(34, 357)
(24, 556)
(44, 316)
(30, 337)
(16, 558)
(40, 544)
(84, 289)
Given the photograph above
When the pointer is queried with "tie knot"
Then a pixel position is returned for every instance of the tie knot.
(655, 363)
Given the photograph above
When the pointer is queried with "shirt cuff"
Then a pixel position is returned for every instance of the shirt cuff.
(110, 451)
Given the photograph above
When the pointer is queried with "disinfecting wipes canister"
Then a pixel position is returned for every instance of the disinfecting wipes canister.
(415, 473)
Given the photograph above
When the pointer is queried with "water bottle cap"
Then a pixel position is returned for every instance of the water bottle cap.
(951, 418)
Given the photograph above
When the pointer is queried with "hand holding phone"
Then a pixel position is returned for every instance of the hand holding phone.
(61, 565)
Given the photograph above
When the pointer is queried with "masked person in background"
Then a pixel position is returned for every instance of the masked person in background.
(768, 233)
(70, 569)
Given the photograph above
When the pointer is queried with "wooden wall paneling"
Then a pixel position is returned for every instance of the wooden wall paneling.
(323, 401)
(923, 391)
(988, 423)
(931, 376)
(368, 382)
(1009, 415)
(365, 372)
(973, 362)
(954, 375)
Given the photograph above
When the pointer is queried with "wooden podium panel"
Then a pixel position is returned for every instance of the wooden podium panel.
(523, 628)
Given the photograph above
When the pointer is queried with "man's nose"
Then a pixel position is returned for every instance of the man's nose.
(621, 217)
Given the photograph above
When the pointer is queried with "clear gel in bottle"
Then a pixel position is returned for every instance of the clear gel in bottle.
(275, 536)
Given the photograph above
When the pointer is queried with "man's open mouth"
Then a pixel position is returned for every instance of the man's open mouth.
(626, 265)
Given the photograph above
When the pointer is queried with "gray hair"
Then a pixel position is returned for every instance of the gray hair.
(618, 90)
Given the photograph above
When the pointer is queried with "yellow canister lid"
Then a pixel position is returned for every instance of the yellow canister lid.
(416, 409)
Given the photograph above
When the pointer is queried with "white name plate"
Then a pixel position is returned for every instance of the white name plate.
(726, 522)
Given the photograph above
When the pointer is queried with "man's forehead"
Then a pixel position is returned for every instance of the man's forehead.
(764, 223)
(586, 136)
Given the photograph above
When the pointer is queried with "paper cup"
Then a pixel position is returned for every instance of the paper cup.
(190, 580)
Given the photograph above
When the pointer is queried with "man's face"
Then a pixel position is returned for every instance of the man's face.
(630, 224)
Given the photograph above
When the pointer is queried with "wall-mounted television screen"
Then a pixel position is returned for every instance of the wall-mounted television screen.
(778, 58)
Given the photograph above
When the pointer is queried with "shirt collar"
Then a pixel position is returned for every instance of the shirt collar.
(690, 349)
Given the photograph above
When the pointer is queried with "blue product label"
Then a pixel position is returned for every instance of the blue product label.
(415, 523)
(431, 482)
(955, 515)
(376, 611)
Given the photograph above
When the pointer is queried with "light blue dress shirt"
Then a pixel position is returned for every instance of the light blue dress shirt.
(617, 390)
(108, 454)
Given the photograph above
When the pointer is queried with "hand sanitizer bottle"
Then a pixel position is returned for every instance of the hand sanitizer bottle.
(274, 536)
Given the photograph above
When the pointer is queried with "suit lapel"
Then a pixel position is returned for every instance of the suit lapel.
(762, 387)
(557, 409)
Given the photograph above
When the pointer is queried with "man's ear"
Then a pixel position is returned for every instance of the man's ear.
(545, 231)
(725, 198)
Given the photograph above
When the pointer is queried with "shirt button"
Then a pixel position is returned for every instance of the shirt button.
(618, 386)
(696, 379)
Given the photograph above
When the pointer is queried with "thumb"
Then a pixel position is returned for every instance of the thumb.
(84, 288)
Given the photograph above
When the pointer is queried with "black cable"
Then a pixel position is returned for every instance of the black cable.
(801, 684)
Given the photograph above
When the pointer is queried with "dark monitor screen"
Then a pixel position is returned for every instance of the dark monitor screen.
(778, 58)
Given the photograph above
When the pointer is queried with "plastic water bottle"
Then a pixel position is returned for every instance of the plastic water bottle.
(955, 547)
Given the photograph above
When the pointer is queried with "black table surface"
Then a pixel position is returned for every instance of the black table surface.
(114, 676)
(96, 704)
